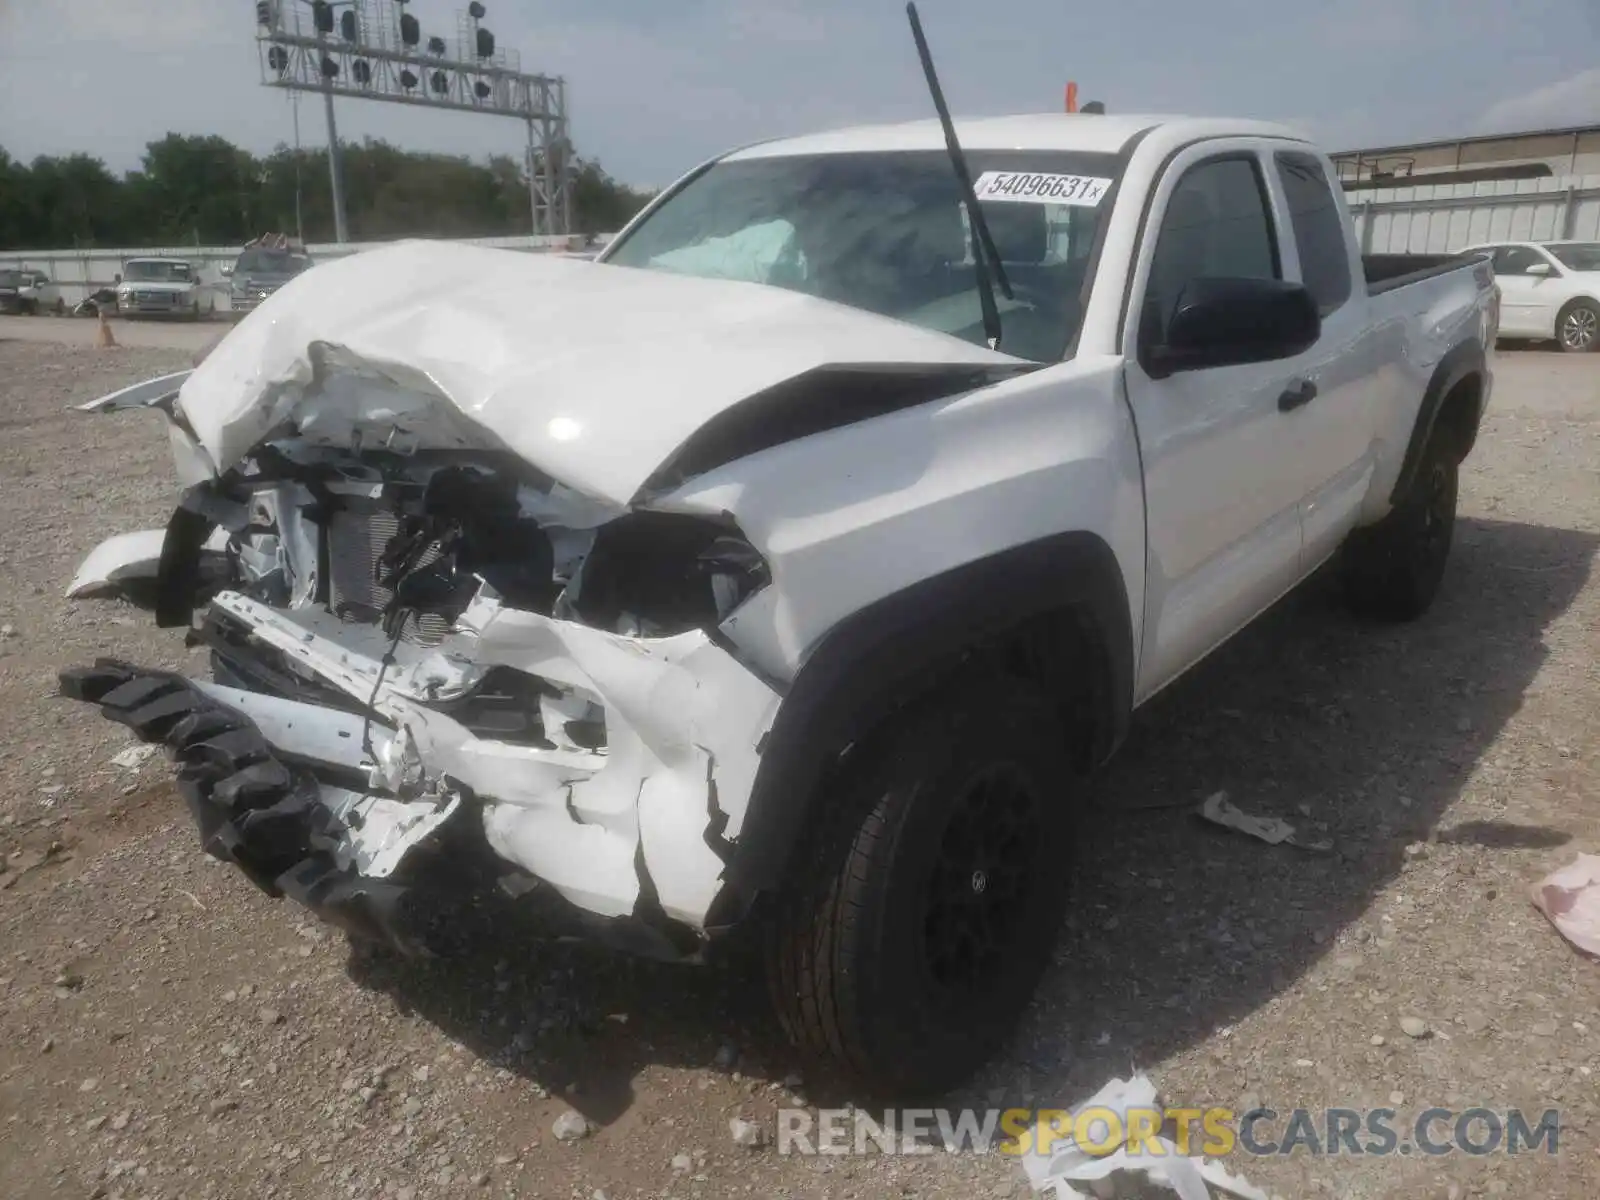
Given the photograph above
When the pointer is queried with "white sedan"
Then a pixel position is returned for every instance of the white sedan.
(1548, 290)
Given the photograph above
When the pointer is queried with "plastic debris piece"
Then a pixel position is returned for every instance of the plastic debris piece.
(134, 757)
(1570, 898)
(1065, 1164)
(1273, 830)
(571, 1126)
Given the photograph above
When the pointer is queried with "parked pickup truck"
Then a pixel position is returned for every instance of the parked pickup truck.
(792, 562)
(29, 292)
(263, 266)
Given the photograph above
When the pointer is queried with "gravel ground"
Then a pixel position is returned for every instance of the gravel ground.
(155, 333)
(167, 1031)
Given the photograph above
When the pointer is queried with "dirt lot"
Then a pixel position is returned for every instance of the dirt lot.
(153, 333)
(165, 1030)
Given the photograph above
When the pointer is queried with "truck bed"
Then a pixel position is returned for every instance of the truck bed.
(1385, 272)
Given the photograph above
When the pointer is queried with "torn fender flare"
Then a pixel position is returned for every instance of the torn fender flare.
(201, 514)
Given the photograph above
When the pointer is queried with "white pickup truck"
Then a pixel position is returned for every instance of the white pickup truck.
(792, 562)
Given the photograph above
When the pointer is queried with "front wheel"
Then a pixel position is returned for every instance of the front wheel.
(926, 900)
(1578, 327)
(1392, 570)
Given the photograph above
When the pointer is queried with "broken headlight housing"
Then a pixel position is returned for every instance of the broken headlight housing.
(660, 574)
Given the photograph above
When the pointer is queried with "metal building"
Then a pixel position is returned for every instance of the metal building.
(1440, 197)
(1538, 153)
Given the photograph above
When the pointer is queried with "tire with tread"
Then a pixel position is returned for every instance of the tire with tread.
(865, 954)
(1392, 570)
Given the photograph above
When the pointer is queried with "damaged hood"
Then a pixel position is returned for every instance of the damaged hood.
(594, 374)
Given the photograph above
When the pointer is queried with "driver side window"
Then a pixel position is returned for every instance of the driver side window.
(1515, 260)
(1217, 223)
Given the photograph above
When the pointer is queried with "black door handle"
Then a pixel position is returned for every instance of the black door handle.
(1297, 397)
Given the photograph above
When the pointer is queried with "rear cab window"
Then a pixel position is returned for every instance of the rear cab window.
(1317, 219)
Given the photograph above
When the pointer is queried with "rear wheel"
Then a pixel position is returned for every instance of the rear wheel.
(925, 904)
(1392, 570)
(1578, 327)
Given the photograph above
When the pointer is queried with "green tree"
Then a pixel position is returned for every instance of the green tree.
(599, 203)
(192, 190)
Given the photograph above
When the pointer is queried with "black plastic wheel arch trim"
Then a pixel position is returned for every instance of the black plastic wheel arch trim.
(1461, 363)
(884, 654)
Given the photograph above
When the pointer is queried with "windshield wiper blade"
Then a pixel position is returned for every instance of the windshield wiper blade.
(984, 256)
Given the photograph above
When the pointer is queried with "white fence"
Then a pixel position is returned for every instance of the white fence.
(1444, 219)
(80, 272)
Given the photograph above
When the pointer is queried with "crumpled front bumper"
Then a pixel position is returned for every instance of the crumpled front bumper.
(336, 762)
(254, 810)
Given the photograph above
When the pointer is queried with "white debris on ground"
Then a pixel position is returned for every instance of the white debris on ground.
(134, 757)
(1273, 830)
(1065, 1164)
(1570, 898)
(571, 1126)
(746, 1133)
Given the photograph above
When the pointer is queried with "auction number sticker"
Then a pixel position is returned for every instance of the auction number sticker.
(1033, 188)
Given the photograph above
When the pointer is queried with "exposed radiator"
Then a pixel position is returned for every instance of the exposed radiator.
(356, 540)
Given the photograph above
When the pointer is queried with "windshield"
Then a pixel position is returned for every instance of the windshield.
(888, 233)
(270, 262)
(1578, 256)
(157, 272)
(10, 279)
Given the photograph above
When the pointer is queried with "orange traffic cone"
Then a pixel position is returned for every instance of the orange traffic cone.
(104, 339)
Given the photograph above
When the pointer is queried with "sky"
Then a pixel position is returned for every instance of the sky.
(655, 86)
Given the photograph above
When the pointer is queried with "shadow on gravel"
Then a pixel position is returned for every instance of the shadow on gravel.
(1364, 734)
(1501, 835)
(562, 1012)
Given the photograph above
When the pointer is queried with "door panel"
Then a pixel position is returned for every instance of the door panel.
(1222, 493)
(1333, 436)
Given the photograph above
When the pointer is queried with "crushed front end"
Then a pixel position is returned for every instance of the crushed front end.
(422, 648)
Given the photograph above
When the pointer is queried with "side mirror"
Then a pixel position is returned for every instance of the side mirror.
(227, 271)
(1224, 322)
(1540, 269)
